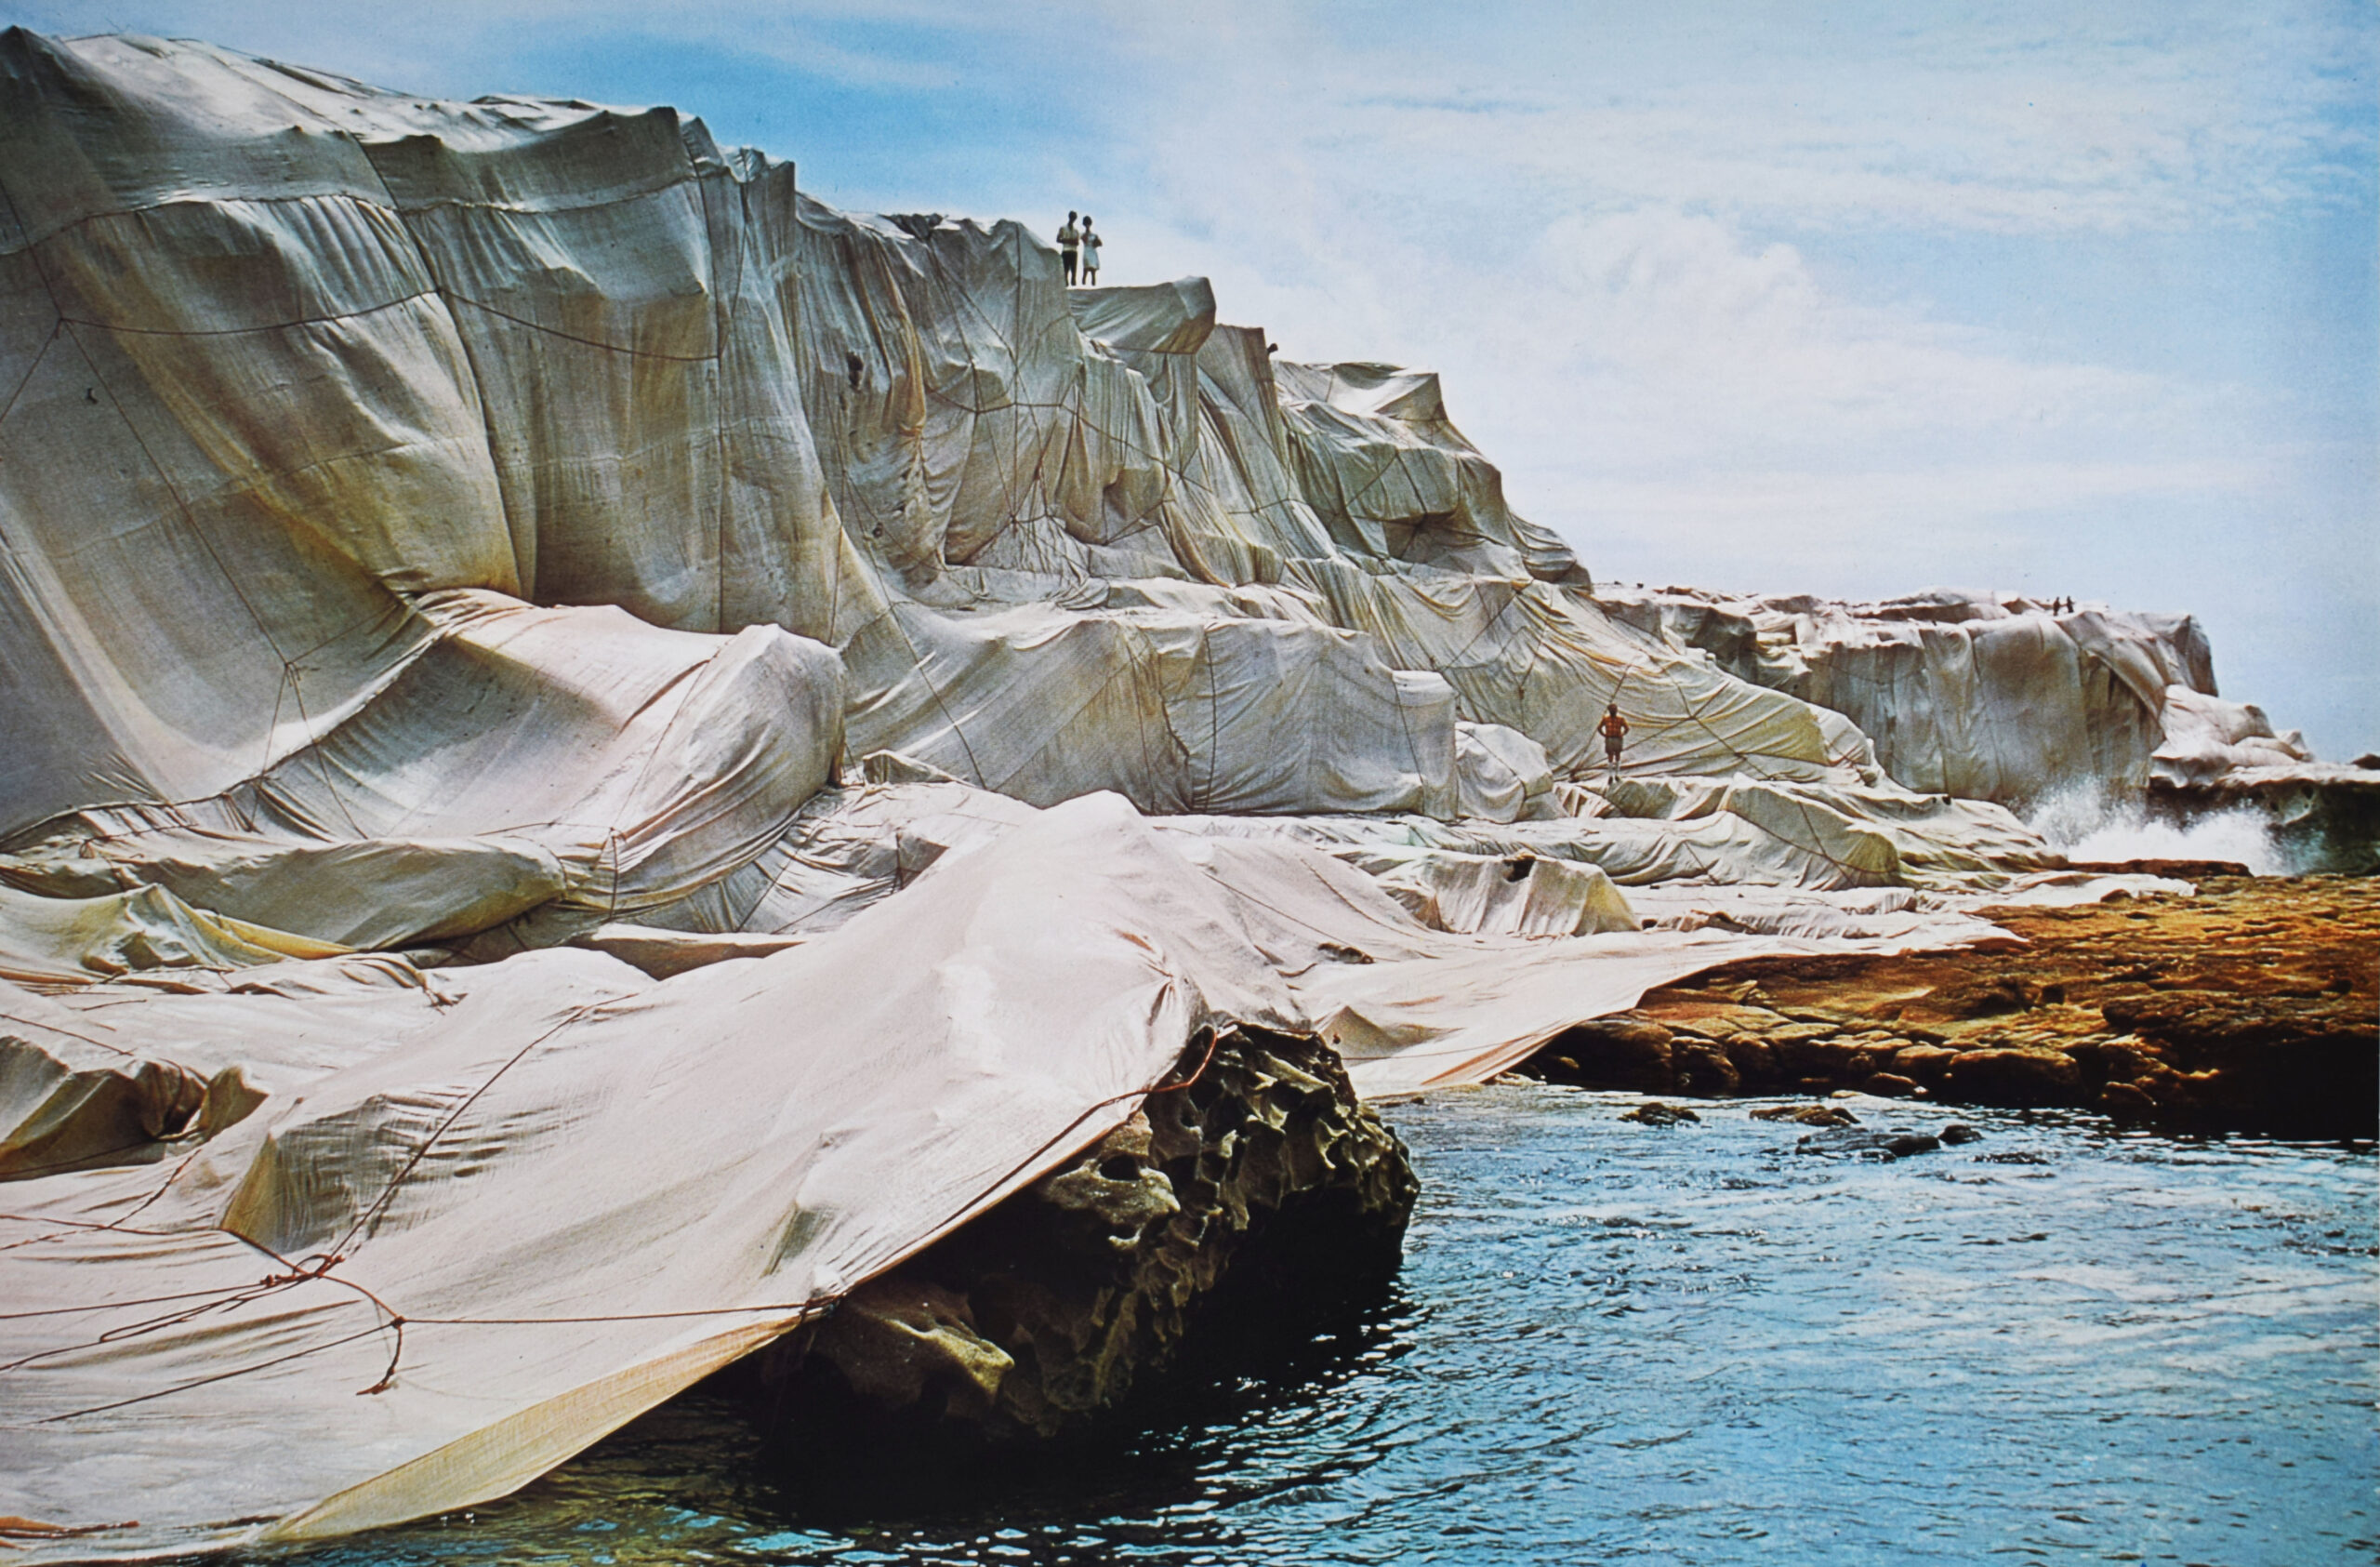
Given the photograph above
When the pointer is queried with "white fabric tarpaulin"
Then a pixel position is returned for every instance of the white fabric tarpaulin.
(580, 1189)
(417, 1244)
(597, 751)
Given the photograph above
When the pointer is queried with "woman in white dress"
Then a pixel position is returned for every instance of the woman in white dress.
(1090, 255)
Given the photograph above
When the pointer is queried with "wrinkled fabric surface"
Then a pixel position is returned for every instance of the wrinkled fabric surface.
(2008, 698)
(597, 750)
(582, 1188)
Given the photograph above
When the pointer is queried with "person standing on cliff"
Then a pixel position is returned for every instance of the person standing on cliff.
(1090, 243)
(1070, 247)
(1614, 730)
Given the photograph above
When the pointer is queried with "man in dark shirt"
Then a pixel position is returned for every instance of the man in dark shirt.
(1069, 247)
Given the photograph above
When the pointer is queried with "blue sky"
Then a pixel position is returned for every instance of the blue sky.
(2068, 299)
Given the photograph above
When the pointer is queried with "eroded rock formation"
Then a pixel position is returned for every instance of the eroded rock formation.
(1256, 1200)
(599, 754)
(2250, 1006)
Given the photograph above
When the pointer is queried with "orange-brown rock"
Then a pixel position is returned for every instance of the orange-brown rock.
(2251, 1006)
(2021, 1079)
(1808, 1115)
(1619, 1052)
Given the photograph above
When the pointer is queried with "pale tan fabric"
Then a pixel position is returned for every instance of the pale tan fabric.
(473, 529)
(1960, 693)
(691, 1161)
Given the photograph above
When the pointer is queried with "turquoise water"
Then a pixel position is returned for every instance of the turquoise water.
(1614, 1343)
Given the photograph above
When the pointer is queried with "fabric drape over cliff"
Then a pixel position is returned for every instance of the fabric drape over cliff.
(316, 352)
(462, 564)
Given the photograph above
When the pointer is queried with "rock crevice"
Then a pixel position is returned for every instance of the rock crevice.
(1251, 1202)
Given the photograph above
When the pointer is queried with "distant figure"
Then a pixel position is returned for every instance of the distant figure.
(1614, 730)
(1090, 243)
(1069, 247)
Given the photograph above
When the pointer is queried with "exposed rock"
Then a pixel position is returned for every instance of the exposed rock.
(2179, 869)
(2122, 1101)
(1655, 1113)
(1925, 1063)
(1992, 996)
(1704, 1067)
(1958, 1134)
(1622, 1052)
(1889, 1085)
(2014, 1078)
(1821, 1063)
(1753, 1061)
(1866, 1143)
(2251, 1006)
(1807, 1115)
(1260, 1196)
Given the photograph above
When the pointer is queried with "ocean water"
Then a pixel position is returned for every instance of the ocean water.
(1614, 1343)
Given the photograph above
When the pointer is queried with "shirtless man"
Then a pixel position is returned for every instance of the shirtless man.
(1069, 247)
(1614, 729)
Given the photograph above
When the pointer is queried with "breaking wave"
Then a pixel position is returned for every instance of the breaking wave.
(2084, 823)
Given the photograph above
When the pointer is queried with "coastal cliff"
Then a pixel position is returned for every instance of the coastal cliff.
(604, 758)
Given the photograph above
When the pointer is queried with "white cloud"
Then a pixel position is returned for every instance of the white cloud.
(1971, 502)
(2032, 119)
(1687, 312)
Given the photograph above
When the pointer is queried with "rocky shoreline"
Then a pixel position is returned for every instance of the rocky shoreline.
(1263, 1195)
(1250, 1204)
(2249, 1008)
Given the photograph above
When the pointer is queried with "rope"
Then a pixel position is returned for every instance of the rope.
(119, 1226)
(317, 1269)
(205, 1381)
(387, 1193)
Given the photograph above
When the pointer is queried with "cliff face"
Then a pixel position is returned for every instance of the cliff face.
(298, 366)
(312, 384)
(435, 534)
(2008, 699)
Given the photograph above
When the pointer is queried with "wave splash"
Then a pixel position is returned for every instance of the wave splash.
(2085, 823)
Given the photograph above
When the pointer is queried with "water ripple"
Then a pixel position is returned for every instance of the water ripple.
(1612, 1343)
